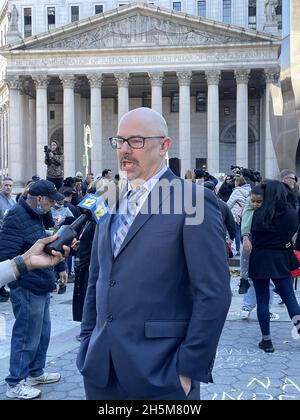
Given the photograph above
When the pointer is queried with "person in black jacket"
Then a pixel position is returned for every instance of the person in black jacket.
(273, 226)
(30, 295)
(54, 159)
(228, 220)
(226, 188)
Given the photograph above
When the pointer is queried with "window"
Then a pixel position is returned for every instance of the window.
(51, 17)
(201, 101)
(252, 110)
(52, 115)
(226, 110)
(51, 95)
(98, 8)
(278, 10)
(202, 8)
(146, 100)
(177, 6)
(174, 102)
(27, 22)
(227, 11)
(252, 14)
(74, 13)
(252, 92)
(201, 163)
(227, 93)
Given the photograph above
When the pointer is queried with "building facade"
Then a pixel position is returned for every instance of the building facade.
(211, 79)
(285, 113)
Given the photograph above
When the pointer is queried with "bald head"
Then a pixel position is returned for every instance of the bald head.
(146, 117)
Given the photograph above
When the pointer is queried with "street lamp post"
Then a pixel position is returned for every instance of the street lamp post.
(87, 140)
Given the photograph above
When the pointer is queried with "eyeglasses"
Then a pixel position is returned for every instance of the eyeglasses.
(291, 177)
(135, 142)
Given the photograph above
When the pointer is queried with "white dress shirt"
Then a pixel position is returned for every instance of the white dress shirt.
(7, 274)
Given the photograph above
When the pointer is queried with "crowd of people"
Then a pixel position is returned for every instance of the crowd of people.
(145, 333)
(265, 226)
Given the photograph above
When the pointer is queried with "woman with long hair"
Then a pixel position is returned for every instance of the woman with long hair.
(54, 159)
(273, 226)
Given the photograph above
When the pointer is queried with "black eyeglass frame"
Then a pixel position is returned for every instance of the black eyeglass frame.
(116, 138)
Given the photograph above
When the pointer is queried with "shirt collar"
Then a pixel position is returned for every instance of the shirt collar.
(149, 185)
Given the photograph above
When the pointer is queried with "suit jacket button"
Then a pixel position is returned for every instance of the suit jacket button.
(112, 283)
(109, 318)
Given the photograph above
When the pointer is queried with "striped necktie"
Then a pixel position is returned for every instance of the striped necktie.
(126, 219)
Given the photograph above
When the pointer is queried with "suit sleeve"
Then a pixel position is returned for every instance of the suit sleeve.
(89, 309)
(206, 260)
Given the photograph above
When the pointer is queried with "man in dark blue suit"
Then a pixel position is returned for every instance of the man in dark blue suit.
(159, 285)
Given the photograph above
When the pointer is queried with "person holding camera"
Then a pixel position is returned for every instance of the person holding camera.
(54, 160)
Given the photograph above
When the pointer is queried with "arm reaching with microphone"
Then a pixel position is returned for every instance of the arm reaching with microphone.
(34, 258)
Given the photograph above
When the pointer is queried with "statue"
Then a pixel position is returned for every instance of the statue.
(270, 13)
(13, 18)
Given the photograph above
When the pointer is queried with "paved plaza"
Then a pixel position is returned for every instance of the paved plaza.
(242, 371)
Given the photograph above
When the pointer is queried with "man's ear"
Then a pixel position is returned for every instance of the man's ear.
(165, 145)
(39, 199)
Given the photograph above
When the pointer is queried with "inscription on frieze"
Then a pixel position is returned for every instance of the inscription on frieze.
(205, 58)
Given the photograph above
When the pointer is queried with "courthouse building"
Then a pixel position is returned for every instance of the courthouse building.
(207, 66)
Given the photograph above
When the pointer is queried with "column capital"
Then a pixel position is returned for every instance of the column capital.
(95, 80)
(27, 87)
(271, 75)
(213, 77)
(157, 78)
(122, 79)
(67, 80)
(13, 82)
(184, 77)
(242, 75)
(41, 81)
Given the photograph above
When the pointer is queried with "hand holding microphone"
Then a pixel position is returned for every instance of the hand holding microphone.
(94, 208)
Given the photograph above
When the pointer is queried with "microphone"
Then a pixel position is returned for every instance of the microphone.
(94, 207)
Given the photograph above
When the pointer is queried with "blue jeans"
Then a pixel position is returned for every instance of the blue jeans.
(249, 299)
(30, 334)
(285, 290)
(238, 237)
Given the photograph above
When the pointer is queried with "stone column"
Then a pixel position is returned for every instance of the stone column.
(69, 125)
(5, 136)
(213, 130)
(32, 134)
(271, 165)
(95, 81)
(123, 94)
(41, 83)
(241, 77)
(157, 79)
(15, 150)
(24, 125)
(185, 154)
(78, 131)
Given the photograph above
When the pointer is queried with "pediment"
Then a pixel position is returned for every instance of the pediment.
(141, 26)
